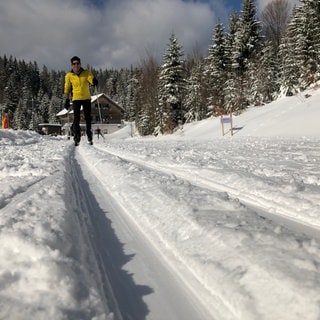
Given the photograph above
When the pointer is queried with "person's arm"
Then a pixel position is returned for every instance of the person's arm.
(95, 81)
(67, 87)
(92, 79)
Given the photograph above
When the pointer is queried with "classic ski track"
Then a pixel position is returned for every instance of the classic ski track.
(168, 253)
(258, 204)
(218, 300)
(87, 225)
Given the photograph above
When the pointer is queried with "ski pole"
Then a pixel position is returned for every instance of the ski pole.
(96, 92)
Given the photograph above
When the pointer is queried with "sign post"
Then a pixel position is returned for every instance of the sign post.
(226, 119)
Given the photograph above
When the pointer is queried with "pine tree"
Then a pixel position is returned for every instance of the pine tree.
(263, 75)
(245, 47)
(300, 49)
(232, 82)
(45, 82)
(217, 71)
(44, 103)
(54, 107)
(3, 78)
(309, 43)
(248, 35)
(171, 87)
(21, 116)
(290, 70)
(147, 96)
(12, 90)
(131, 96)
(33, 119)
(33, 77)
(193, 100)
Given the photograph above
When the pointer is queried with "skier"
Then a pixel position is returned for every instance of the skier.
(99, 133)
(77, 84)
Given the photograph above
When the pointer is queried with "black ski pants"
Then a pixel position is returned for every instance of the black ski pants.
(86, 104)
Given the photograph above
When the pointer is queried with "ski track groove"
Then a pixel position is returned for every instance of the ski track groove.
(167, 251)
(87, 226)
(258, 204)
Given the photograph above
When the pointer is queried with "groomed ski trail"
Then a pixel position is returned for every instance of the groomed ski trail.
(155, 291)
(219, 298)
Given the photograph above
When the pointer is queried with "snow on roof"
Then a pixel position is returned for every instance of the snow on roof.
(95, 97)
(49, 125)
(62, 112)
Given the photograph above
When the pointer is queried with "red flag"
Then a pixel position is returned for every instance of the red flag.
(5, 121)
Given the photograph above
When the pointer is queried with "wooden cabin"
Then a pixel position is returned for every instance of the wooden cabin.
(52, 129)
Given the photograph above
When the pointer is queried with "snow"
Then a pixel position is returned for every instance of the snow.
(195, 225)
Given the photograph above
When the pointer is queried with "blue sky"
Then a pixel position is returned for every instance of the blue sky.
(233, 4)
(107, 33)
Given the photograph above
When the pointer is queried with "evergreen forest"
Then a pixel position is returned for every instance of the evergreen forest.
(251, 61)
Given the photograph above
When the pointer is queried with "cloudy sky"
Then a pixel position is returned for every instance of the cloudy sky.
(107, 33)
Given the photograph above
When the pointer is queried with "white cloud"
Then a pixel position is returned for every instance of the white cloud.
(117, 35)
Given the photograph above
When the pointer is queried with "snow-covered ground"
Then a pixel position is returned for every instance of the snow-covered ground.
(193, 226)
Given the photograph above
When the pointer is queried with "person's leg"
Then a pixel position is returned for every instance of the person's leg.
(76, 105)
(87, 116)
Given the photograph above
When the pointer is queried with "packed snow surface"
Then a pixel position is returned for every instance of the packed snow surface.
(191, 226)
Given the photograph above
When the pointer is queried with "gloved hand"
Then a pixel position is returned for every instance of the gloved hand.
(94, 82)
(67, 104)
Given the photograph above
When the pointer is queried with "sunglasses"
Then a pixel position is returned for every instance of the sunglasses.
(74, 63)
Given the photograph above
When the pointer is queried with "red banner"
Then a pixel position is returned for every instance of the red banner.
(5, 121)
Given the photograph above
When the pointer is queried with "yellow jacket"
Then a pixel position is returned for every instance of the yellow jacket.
(78, 84)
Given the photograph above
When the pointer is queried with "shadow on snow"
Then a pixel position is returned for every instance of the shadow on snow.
(122, 295)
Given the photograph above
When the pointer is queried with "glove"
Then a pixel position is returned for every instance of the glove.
(67, 104)
(94, 82)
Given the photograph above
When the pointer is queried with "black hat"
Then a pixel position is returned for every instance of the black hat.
(75, 58)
